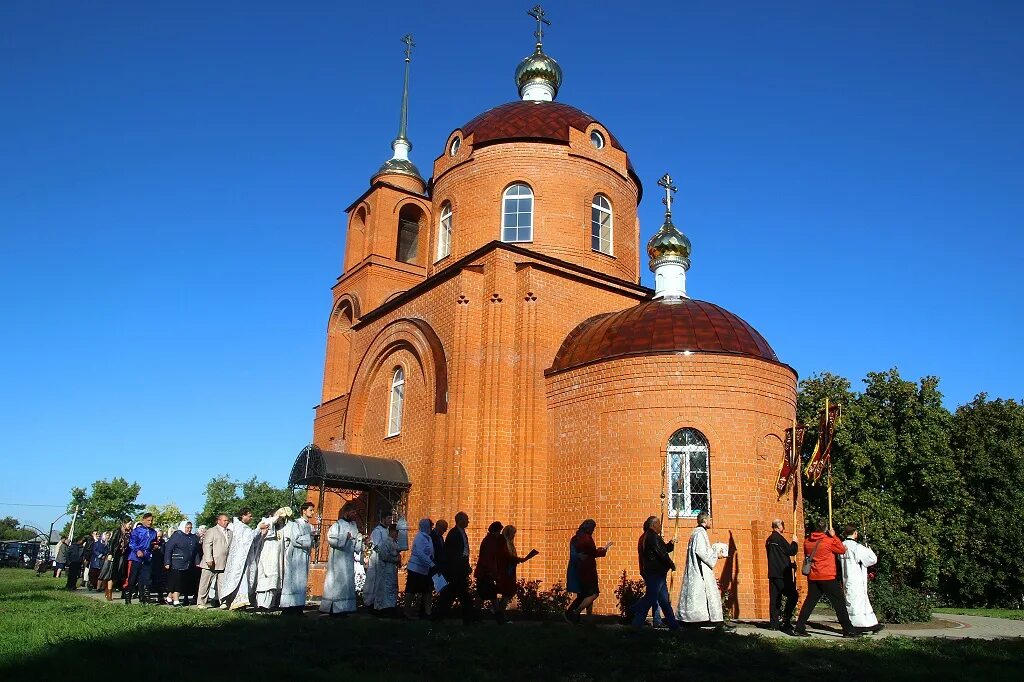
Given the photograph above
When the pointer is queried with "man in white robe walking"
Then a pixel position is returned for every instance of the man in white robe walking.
(855, 564)
(233, 585)
(269, 569)
(378, 537)
(345, 542)
(700, 601)
(297, 542)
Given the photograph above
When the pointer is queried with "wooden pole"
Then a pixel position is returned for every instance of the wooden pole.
(829, 475)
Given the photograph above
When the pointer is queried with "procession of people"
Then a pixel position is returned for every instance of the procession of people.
(236, 565)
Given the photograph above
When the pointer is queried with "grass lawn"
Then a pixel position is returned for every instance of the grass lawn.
(44, 630)
(1012, 614)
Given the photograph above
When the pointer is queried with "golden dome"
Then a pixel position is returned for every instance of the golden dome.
(669, 245)
(539, 68)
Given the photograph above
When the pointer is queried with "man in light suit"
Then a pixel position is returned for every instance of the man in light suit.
(216, 544)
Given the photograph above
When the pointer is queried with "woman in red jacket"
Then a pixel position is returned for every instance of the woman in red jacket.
(822, 547)
(587, 554)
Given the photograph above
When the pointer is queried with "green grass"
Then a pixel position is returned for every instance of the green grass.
(45, 629)
(1012, 614)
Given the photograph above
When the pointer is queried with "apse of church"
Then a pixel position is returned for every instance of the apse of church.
(490, 345)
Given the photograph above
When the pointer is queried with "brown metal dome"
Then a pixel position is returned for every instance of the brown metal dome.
(530, 121)
(661, 327)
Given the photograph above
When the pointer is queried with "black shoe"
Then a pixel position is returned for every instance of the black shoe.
(787, 628)
(877, 628)
(852, 634)
(800, 632)
(774, 627)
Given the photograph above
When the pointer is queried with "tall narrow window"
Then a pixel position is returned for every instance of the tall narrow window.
(397, 401)
(689, 473)
(444, 233)
(517, 214)
(601, 224)
(409, 219)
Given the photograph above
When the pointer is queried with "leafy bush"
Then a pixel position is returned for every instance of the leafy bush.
(628, 593)
(534, 602)
(898, 603)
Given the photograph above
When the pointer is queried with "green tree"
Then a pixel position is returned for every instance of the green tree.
(221, 497)
(988, 447)
(892, 471)
(109, 503)
(165, 516)
(10, 529)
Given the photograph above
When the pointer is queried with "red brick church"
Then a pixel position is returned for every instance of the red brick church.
(490, 348)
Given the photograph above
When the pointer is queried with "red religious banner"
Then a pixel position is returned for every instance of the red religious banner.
(790, 459)
(828, 421)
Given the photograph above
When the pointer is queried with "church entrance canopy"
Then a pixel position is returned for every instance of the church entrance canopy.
(378, 485)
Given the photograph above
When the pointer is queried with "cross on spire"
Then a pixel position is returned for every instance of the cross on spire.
(407, 39)
(538, 14)
(666, 182)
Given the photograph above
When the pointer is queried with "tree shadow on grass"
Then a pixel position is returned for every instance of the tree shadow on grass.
(313, 649)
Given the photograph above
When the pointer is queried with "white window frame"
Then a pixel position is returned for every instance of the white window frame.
(396, 402)
(505, 197)
(683, 452)
(444, 233)
(595, 226)
(597, 139)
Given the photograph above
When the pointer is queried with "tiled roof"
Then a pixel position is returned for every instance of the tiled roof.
(524, 120)
(659, 327)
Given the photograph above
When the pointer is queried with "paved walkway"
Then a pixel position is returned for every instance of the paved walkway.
(823, 625)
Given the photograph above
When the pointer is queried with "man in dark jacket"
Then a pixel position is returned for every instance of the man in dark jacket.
(75, 557)
(655, 563)
(781, 577)
(456, 572)
(437, 539)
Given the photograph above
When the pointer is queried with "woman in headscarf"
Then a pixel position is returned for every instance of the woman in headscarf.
(585, 568)
(178, 554)
(115, 564)
(419, 587)
(486, 572)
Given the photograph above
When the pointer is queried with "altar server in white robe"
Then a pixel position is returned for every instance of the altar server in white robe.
(385, 598)
(297, 543)
(269, 564)
(855, 564)
(699, 600)
(233, 584)
(345, 542)
(377, 537)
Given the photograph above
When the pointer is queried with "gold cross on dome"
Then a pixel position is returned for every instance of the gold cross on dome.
(407, 39)
(666, 182)
(538, 14)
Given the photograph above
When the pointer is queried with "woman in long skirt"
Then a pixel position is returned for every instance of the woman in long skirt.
(115, 563)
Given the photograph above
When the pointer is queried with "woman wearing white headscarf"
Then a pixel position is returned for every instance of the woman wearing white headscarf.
(178, 558)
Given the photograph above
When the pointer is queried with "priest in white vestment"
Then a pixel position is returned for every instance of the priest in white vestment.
(855, 564)
(345, 542)
(700, 600)
(377, 537)
(269, 569)
(297, 541)
(233, 584)
(385, 593)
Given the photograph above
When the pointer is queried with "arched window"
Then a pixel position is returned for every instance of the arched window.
(408, 234)
(444, 233)
(601, 224)
(689, 473)
(397, 401)
(517, 214)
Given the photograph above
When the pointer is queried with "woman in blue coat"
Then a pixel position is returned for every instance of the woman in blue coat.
(179, 557)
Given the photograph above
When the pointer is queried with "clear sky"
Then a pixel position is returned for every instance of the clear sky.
(172, 180)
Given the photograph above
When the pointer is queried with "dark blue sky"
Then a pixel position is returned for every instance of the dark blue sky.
(173, 179)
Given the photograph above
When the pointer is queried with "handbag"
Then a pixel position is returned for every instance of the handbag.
(809, 560)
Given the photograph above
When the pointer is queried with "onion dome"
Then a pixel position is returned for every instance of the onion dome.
(670, 326)
(398, 166)
(669, 245)
(538, 77)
